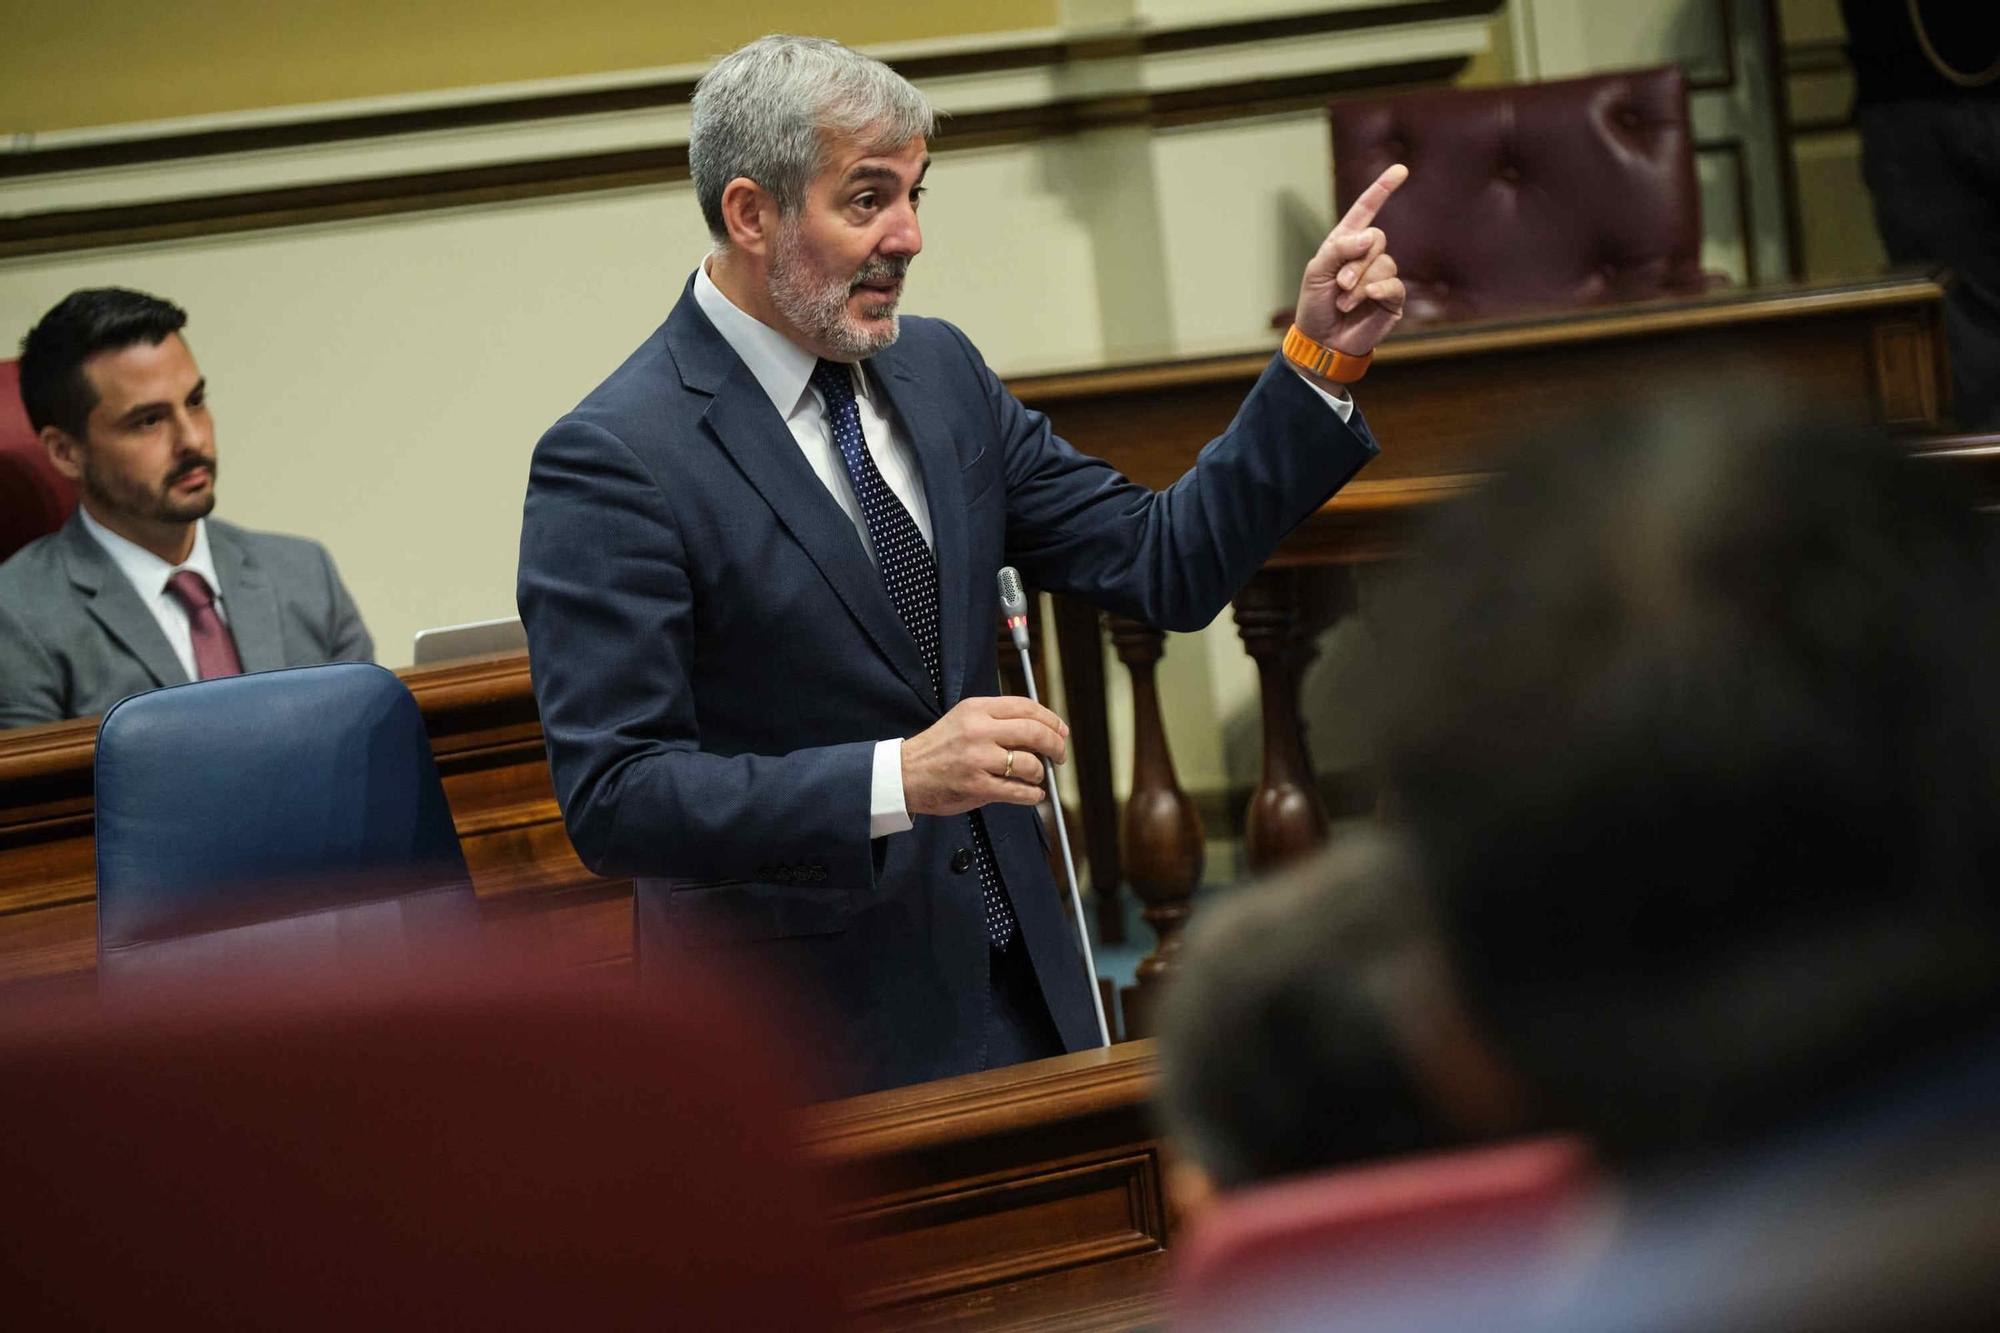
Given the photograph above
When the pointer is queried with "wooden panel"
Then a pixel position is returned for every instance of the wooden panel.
(1448, 401)
(1024, 1197)
(1044, 1219)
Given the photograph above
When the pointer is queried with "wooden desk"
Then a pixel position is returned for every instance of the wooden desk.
(1023, 1197)
(1445, 402)
(488, 740)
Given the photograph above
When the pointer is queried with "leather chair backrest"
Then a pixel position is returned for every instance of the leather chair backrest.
(1537, 195)
(1343, 1228)
(234, 814)
(495, 1150)
(35, 499)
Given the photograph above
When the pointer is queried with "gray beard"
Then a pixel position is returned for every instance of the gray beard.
(818, 307)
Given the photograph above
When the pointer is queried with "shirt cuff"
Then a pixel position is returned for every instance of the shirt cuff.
(886, 811)
(1341, 403)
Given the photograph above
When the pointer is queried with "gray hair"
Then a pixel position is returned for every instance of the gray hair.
(766, 110)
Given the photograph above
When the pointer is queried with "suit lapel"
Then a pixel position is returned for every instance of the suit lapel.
(760, 444)
(114, 604)
(250, 601)
(944, 495)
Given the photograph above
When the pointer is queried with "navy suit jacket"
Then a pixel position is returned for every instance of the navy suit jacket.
(715, 657)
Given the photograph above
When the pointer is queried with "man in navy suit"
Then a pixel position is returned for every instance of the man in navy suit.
(757, 573)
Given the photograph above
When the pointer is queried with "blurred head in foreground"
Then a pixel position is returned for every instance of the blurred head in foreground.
(1310, 1027)
(1691, 720)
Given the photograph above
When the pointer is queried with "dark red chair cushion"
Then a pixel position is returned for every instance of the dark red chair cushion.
(374, 1150)
(1342, 1230)
(35, 499)
(1577, 192)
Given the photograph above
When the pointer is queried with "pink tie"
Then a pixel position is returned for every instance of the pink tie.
(214, 647)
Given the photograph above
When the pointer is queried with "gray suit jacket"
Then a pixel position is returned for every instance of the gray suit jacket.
(75, 638)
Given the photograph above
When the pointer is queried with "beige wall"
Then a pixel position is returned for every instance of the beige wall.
(71, 63)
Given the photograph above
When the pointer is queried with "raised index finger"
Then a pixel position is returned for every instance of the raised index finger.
(1370, 203)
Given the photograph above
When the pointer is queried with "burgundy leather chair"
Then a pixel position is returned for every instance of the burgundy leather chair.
(35, 499)
(480, 1147)
(1355, 1232)
(1531, 196)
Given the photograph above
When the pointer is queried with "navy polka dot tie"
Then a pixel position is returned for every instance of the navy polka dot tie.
(910, 573)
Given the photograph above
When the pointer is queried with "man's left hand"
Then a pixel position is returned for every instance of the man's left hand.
(1350, 296)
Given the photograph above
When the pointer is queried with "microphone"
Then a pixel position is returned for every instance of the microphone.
(1014, 611)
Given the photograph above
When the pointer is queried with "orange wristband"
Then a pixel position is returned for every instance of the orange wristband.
(1324, 362)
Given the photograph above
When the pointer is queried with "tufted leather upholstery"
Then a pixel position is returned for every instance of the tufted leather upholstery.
(232, 814)
(35, 499)
(1576, 192)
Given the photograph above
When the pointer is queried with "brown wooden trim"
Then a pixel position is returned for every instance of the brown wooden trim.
(65, 230)
(1730, 308)
(541, 107)
(1029, 1197)
(995, 1103)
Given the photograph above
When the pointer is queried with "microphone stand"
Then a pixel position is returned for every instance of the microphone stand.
(1017, 623)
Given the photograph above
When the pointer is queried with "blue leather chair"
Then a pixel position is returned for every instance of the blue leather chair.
(276, 819)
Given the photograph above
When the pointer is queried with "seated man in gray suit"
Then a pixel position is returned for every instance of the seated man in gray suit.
(140, 589)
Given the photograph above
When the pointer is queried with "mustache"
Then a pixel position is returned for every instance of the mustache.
(188, 465)
(882, 268)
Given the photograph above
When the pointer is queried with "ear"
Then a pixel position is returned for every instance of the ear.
(750, 214)
(65, 453)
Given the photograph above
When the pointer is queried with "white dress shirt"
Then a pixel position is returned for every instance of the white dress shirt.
(784, 369)
(148, 575)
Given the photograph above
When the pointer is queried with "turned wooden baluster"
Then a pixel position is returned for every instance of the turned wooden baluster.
(1080, 640)
(1162, 831)
(1287, 817)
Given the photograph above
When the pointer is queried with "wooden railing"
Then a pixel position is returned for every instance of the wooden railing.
(1446, 403)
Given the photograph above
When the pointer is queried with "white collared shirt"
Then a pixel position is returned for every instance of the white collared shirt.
(784, 369)
(148, 575)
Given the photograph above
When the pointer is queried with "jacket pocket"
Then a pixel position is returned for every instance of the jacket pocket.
(737, 911)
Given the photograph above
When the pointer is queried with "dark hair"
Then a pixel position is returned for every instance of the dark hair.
(54, 388)
(1277, 1054)
(1691, 718)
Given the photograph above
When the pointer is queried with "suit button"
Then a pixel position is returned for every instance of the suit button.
(961, 861)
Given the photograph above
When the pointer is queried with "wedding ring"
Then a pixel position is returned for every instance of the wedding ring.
(1008, 771)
